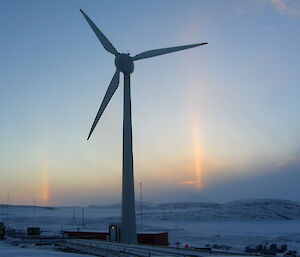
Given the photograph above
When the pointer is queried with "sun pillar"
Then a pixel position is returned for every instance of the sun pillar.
(45, 179)
(198, 156)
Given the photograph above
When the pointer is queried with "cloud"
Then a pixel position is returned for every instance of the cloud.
(286, 7)
(280, 181)
(187, 183)
(291, 7)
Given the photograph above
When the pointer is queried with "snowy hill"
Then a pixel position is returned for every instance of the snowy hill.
(271, 209)
(244, 210)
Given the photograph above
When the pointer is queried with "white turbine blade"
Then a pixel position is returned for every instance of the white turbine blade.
(161, 51)
(103, 39)
(108, 95)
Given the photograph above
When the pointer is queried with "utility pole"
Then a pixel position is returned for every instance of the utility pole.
(7, 203)
(34, 207)
(82, 218)
(141, 205)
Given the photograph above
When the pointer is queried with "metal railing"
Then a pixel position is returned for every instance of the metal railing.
(134, 250)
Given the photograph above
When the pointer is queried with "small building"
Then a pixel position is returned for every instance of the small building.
(148, 238)
(33, 231)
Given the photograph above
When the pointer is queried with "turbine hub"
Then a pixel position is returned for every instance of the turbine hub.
(124, 63)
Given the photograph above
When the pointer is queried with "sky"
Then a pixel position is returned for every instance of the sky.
(215, 123)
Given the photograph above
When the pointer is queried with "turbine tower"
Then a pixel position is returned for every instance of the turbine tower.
(125, 64)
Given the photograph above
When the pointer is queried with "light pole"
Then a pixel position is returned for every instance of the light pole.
(83, 218)
(34, 207)
(7, 203)
(141, 198)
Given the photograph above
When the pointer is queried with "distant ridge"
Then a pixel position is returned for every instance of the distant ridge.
(241, 210)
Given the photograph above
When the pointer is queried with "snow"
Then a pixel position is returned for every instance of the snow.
(235, 224)
(14, 251)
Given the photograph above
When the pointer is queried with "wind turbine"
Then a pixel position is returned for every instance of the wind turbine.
(125, 64)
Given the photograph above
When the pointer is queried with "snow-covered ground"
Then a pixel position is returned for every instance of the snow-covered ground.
(236, 224)
(13, 251)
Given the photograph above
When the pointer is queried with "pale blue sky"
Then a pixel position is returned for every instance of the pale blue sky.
(239, 94)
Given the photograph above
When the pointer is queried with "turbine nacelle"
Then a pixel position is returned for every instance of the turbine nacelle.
(124, 63)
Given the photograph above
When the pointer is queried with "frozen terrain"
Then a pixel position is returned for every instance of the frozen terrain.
(12, 251)
(235, 224)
